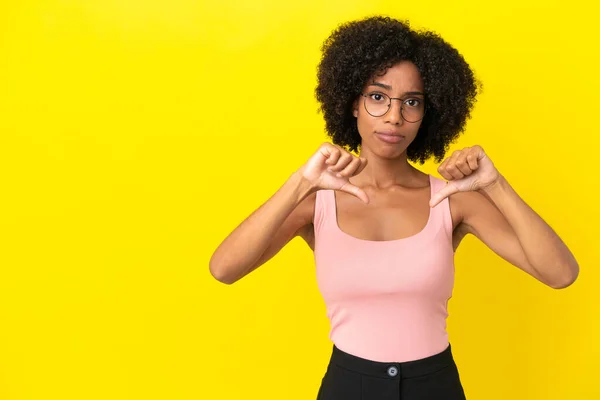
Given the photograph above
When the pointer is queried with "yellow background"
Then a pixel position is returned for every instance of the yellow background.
(136, 134)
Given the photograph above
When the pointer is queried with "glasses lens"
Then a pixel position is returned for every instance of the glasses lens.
(377, 104)
(413, 110)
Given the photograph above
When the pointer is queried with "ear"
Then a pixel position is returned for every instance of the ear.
(355, 108)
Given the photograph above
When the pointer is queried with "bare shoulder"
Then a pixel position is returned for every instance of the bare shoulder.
(459, 203)
(306, 208)
(464, 205)
(306, 211)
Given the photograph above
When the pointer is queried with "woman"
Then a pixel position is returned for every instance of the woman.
(384, 233)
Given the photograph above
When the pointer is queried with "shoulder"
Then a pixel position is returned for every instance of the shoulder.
(457, 202)
(306, 212)
(467, 206)
(436, 180)
(307, 205)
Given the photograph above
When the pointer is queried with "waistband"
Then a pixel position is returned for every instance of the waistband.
(393, 370)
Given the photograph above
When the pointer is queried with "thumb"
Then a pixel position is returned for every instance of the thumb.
(446, 191)
(355, 191)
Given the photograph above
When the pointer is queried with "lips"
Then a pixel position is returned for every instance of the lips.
(389, 137)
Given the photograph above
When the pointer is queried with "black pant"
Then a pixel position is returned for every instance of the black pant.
(349, 377)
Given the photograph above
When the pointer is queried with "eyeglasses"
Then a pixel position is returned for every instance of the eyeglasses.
(378, 104)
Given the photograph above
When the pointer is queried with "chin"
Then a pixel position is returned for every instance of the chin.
(390, 152)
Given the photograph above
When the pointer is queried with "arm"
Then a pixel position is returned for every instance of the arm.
(506, 224)
(288, 213)
(260, 236)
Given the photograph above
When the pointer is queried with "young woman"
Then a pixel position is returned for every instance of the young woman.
(384, 233)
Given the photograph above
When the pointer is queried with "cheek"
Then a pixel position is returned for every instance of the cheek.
(364, 126)
(365, 120)
(416, 129)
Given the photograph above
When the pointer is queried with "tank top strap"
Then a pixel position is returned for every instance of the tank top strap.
(324, 207)
(441, 212)
(325, 210)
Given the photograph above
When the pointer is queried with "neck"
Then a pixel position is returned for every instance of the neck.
(382, 173)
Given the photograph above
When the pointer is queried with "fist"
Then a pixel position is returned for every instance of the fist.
(331, 167)
(469, 169)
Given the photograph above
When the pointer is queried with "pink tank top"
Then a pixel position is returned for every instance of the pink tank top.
(386, 300)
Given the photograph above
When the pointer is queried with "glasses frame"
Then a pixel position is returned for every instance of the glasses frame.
(390, 106)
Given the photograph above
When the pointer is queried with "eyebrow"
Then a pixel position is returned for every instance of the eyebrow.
(383, 85)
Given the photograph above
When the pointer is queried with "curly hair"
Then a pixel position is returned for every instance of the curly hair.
(358, 50)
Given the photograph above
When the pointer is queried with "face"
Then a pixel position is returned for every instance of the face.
(389, 135)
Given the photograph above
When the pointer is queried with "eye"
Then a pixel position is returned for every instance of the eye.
(378, 97)
(413, 102)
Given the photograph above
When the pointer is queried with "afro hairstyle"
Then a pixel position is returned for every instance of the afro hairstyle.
(356, 51)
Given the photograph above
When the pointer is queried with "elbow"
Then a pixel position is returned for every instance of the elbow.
(219, 273)
(220, 278)
(568, 279)
(561, 285)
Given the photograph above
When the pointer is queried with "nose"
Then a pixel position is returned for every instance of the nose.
(394, 114)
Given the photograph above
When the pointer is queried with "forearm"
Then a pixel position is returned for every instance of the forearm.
(544, 249)
(249, 240)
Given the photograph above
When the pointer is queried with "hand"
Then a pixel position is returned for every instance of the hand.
(331, 167)
(469, 169)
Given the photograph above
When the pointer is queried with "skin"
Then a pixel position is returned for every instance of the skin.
(398, 193)
(380, 197)
(482, 203)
